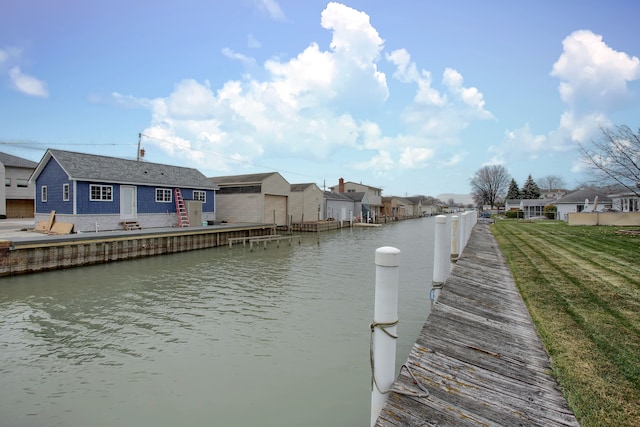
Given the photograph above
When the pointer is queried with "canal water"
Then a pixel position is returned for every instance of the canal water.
(217, 337)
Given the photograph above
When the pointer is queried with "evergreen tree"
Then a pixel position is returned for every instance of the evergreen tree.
(514, 191)
(530, 190)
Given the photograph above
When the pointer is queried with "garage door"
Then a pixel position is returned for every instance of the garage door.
(17, 208)
(275, 205)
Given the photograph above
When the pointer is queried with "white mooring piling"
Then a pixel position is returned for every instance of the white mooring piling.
(441, 257)
(454, 238)
(384, 327)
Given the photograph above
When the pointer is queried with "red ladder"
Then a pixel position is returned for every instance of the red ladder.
(181, 210)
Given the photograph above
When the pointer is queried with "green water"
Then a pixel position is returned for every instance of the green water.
(218, 337)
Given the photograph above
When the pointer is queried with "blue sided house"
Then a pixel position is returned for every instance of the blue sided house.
(98, 193)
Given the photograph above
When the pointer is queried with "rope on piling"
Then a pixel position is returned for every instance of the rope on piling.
(383, 327)
(434, 287)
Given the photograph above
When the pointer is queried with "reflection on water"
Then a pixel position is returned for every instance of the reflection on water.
(275, 337)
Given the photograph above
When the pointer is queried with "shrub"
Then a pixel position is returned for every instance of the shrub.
(550, 211)
(514, 213)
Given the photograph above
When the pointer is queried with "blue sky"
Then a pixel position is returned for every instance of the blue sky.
(409, 96)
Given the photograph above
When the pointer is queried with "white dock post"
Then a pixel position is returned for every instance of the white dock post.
(461, 234)
(384, 327)
(441, 257)
(454, 238)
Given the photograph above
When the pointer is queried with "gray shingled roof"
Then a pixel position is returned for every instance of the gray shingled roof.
(91, 167)
(252, 178)
(356, 196)
(337, 196)
(16, 162)
(579, 196)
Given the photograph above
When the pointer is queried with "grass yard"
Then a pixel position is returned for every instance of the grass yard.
(582, 288)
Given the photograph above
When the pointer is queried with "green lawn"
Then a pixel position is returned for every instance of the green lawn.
(582, 288)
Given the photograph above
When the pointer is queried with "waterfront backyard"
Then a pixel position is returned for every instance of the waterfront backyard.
(582, 288)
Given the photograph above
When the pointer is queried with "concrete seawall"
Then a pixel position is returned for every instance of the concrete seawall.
(37, 253)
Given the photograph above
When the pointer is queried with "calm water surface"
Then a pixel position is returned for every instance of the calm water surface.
(218, 337)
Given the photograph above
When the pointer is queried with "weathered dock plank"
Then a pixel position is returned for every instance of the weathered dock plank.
(478, 354)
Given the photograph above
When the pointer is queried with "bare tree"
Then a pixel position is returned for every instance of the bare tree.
(616, 157)
(489, 183)
(552, 182)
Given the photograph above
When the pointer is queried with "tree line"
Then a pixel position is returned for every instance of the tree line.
(614, 157)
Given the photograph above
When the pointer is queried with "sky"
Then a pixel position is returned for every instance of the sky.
(409, 96)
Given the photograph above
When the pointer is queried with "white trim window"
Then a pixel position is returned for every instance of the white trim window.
(101, 193)
(200, 195)
(164, 195)
(65, 192)
(43, 194)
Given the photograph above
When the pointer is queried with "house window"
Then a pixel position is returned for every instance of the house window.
(43, 193)
(101, 193)
(163, 195)
(65, 192)
(7, 182)
(200, 195)
(21, 182)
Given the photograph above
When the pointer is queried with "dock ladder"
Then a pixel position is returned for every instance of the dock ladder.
(181, 210)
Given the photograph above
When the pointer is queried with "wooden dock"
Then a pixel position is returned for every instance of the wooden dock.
(262, 239)
(478, 354)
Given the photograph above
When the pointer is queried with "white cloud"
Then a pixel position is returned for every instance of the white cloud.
(252, 42)
(519, 145)
(593, 75)
(27, 84)
(298, 109)
(272, 8)
(380, 164)
(470, 96)
(593, 84)
(412, 158)
(454, 160)
(20, 81)
(8, 54)
(313, 105)
(434, 114)
(126, 101)
(246, 60)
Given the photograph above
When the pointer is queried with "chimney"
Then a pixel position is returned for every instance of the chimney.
(341, 185)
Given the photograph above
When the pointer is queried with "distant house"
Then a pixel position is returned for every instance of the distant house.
(17, 194)
(575, 201)
(555, 194)
(417, 206)
(361, 206)
(306, 203)
(339, 207)
(400, 208)
(509, 205)
(99, 192)
(261, 198)
(625, 201)
(531, 208)
(374, 195)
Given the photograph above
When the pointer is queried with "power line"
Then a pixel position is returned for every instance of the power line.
(40, 145)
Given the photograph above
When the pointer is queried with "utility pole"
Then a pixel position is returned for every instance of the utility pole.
(140, 150)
